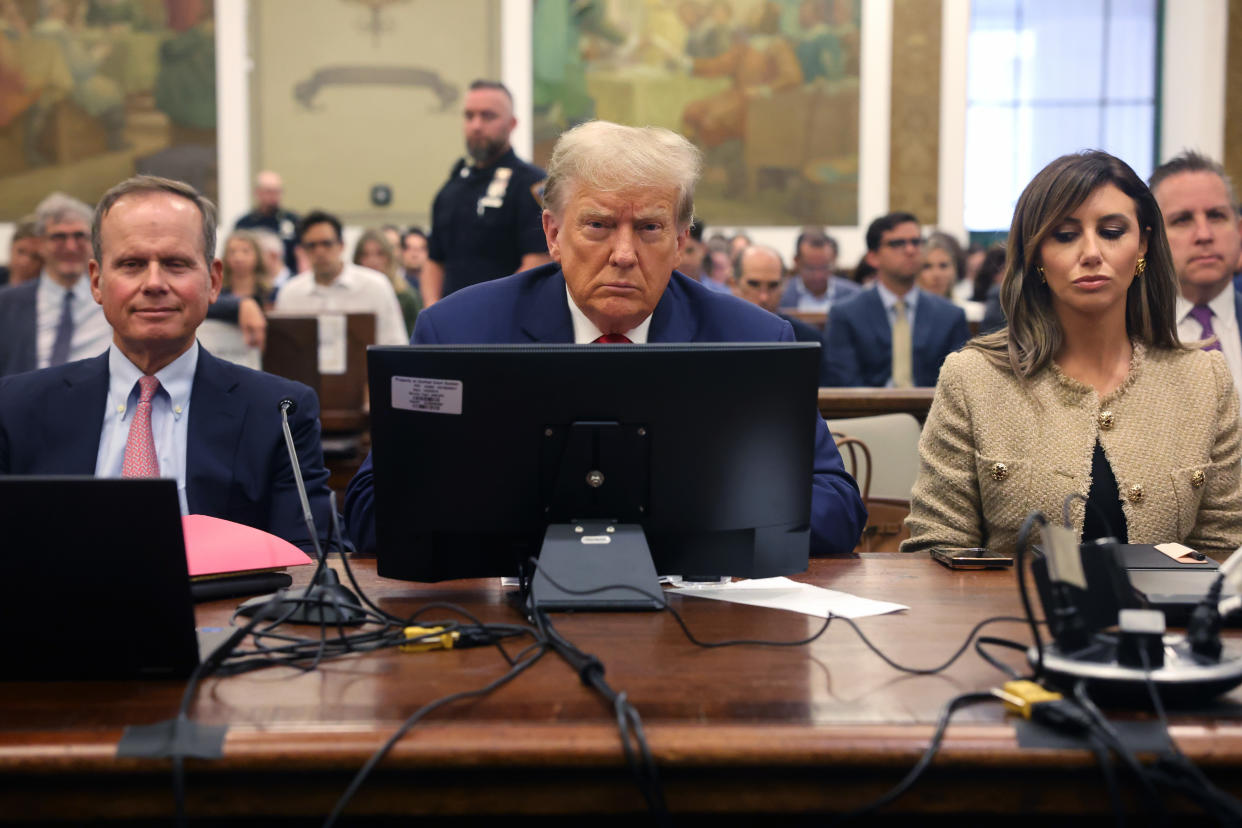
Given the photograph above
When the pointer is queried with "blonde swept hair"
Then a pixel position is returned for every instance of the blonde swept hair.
(608, 157)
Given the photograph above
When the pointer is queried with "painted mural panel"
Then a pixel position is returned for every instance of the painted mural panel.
(93, 91)
(768, 89)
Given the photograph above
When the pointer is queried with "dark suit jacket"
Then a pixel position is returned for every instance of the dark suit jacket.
(860, 340)
(237, 467)
(532, 307)
(17, 328)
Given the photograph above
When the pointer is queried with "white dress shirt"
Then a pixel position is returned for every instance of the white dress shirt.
(1224, 325)
(91, 331)
(585, 331)
(170, 416)
(356, 289)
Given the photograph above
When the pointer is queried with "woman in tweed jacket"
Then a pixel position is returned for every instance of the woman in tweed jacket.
(1088, 391)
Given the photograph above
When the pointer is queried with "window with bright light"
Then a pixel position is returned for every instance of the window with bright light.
(1047, 77)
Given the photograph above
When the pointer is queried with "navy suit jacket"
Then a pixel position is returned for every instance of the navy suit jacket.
(860, 340)
(532, 307)
(237, 466)
(17, 328)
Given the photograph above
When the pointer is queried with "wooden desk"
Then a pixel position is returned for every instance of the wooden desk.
(736, 730)
(838, 403)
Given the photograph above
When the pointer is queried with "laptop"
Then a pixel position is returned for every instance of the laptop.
(97, 585)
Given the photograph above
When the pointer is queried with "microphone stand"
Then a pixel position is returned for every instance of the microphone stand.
(325, 600)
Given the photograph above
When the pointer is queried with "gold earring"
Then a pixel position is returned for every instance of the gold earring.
(1042, 277)
(1139, 267)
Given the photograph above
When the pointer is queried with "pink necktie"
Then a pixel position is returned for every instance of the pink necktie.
(140, 460)
(613, 339)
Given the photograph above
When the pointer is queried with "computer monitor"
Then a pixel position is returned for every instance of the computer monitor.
(479, 449)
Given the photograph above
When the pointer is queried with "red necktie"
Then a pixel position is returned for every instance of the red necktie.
(140, 459)
(613, 339)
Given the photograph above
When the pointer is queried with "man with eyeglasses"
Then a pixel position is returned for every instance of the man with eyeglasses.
(333, 285)
(54, 319)
(816, 288)
(758, 277)
(893, 335)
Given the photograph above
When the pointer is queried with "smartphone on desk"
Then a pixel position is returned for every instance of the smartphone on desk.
(974, 558)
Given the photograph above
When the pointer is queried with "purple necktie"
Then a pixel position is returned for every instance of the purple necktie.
(1203, 315)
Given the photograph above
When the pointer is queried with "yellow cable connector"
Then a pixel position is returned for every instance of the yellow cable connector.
(428, 638)
(1022, 696)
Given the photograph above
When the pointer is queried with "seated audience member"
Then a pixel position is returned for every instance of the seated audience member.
(52, 319)
(988, 281)
(618, 205)
(1088, 391)
(693, 254)
(717, 271)
(273, 250)
(893, 334)
(758, 277)
(374, 251)
(269, 214)
(413, 257)
(814, 287)
(245, 268)
(25, 262)
(1205, 238)
(941, 274)
(863, 273)
(156, 403)
(333, 286)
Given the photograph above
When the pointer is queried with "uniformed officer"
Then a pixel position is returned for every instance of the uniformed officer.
(486, 221)
(268, 214)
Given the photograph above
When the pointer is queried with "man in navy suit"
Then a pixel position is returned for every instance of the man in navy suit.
(814, 287)
(156, 403)
(862, 330)
(1201, 221)
(758, 276)
(618, 206)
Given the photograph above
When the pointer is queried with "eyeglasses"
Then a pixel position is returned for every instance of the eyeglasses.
(326, 244)
(60, 238)
(756, 284)
(897, 244)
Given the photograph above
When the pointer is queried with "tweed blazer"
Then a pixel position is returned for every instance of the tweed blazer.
(995, 448)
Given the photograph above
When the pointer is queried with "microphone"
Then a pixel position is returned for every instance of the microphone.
(325, 600)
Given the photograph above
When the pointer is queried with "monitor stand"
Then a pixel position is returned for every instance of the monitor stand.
(587, 555)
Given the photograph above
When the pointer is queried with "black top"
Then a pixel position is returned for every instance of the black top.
(283, 223)
(1105, 517)
(484, 220)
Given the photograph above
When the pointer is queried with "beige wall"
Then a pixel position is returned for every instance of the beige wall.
(353, 136)
(1233, 93)
(914, 169)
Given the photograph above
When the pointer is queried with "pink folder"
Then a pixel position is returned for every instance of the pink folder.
(221, 547)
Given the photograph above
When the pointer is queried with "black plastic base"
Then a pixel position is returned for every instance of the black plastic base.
(1184, 679)
(326, 602)
(595, 565)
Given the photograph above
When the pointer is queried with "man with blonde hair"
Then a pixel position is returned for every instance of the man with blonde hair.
(618, 204)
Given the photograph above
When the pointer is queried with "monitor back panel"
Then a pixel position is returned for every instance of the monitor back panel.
(97, 585)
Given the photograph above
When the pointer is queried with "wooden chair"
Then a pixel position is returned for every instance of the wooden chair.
(885, 529)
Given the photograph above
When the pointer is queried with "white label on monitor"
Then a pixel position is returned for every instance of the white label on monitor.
(437, 396)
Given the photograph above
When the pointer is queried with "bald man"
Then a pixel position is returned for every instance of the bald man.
(267, 214)
(759, 277)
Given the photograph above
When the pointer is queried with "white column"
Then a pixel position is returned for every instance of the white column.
(1192, 93)
(874, 100)
(516, 68)
(954, 33)
(233, 67)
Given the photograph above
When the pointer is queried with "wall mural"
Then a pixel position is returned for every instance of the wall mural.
(94, 91)
(768, 89)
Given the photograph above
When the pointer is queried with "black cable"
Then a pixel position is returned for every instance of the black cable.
(933, 747)
(1109, 735)
(988, 640)
(512, 673)
(1024, 538)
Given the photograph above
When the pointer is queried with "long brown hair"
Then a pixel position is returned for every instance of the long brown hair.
(1034, 334)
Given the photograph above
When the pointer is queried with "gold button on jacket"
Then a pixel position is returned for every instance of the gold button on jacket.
(1136, 493)
(1106, 420)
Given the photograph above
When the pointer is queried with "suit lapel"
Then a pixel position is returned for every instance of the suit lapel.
(27, 357)
(545, 315)
(75, 415)
(216, 419)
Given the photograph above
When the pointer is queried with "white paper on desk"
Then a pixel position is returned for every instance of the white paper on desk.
(331, 343)
(782, 593)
